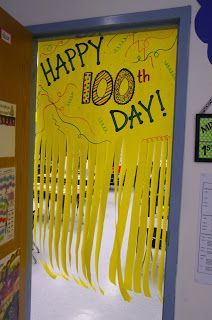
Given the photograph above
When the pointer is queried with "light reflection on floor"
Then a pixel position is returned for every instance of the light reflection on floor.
(64, 300)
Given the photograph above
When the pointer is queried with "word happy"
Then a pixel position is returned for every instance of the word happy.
(68, 61)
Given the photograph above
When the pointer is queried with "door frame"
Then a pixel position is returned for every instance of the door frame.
(181, 17)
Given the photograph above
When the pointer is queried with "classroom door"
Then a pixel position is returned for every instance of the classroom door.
(15, 83)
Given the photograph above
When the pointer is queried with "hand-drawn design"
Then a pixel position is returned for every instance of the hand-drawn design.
(54, 104)
(155, 53)
(170, 69)
(203, 24)
(102, 124)
(70, 99)
(51, 48)
(80, 133)
(119, 45)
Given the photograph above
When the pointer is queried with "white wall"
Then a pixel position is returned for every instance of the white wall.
(193, 301)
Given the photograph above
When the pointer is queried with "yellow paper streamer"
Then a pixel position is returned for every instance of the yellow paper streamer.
(160, 207)
(67, 204)
(36, 191)
(53, 197)
(134, 226)
(73, 195)
(82, 171)
(90, 189)
(165, 217)
(47, 186)
(143, 222)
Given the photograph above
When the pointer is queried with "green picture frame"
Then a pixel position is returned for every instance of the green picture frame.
(203, 141)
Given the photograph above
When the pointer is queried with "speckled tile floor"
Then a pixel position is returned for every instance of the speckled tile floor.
(65, 300)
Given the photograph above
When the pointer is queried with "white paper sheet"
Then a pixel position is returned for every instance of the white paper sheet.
(7, 129)
(203, 269)
(7, 204)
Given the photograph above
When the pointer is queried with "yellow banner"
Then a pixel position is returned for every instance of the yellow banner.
(105, 106)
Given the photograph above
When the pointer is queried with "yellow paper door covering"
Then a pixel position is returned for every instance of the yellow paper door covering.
(105, 103)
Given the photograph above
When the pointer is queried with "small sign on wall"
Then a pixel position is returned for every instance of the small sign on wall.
(7, 128)
(6, 36)
(203, 144)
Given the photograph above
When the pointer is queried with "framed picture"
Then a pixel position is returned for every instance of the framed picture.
(203, 142)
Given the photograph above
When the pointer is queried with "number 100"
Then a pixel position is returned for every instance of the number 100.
(91, 90)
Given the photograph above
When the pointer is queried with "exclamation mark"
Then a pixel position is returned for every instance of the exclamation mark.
(161, 103)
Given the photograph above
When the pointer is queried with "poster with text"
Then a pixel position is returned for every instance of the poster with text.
(7, 128)
(7, 204)
(104, 125)
(9, 286)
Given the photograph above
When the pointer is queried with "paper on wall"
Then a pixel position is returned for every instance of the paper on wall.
(203, 268)
(7, 204)
(9, 286)
(7, 129)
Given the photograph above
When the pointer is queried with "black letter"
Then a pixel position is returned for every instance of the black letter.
(147, 109)
(210, 124)
(203, 129)
(114, 119)
(60, 64)
(46, 72)
(97, 48)
(80, 53)
(134, 114)
(70, 58)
